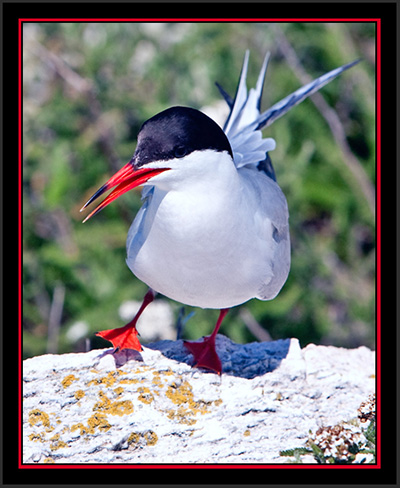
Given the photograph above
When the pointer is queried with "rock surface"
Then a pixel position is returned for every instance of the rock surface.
(153, 407)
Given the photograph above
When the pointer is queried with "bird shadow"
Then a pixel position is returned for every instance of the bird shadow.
(122, 357)
(239, 360)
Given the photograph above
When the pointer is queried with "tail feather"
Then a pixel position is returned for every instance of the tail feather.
(284, 105)
(240, 97)
(228, 99)
(245, 122)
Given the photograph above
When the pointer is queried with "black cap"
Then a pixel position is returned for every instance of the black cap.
(175, 133)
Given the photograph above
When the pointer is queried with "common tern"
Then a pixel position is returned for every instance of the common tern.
(213, 230)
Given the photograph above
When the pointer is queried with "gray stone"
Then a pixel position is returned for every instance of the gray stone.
(153, 407)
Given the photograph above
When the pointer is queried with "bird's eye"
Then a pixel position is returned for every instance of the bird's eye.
(180, 151)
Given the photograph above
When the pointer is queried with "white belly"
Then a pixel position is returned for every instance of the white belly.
(201, 250)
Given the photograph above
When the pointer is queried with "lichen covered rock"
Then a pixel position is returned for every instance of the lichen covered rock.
(153, 407)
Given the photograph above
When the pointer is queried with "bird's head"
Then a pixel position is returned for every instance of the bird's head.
(174, 146)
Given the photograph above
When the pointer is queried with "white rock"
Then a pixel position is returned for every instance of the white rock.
(153, 407)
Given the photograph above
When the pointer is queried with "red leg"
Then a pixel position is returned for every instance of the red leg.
(126, 337)
(204, 352)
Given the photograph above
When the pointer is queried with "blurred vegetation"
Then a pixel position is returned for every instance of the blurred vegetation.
(88, 87)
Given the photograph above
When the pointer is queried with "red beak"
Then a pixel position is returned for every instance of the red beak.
(124, 180)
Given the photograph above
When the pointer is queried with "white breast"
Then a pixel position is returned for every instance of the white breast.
(212, 244)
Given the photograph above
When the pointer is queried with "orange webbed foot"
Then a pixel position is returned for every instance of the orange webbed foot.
(122, 337)
(204, 353)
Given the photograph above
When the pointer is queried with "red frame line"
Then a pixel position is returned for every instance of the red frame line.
(378, 259)
(378, 243)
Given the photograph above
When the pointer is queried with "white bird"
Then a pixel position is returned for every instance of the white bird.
(213, 231)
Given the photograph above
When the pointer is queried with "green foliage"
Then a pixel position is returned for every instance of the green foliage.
(87, 89)
(297, 452)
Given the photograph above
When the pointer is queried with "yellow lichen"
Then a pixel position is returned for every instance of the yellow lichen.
(180, 394)
(67, 381)
(246, 432)
(148, 437)
(58, 445)
(183, 394)
(108, 380)
(181, 415)
(120, 407)
(81, 427)
(98, 421)
(134, 438)
(123, 407)
(49, 460)
(104, 402)
(118, 391)
(129, 381)
(37, 437)
(37, 416)
(79, 394)
(145, 395)
(157, 380)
